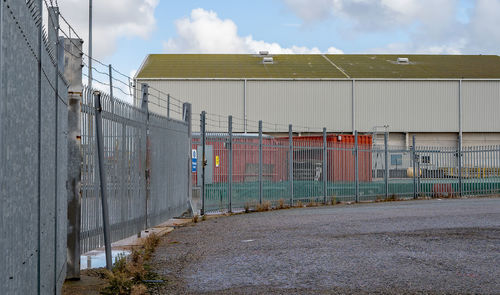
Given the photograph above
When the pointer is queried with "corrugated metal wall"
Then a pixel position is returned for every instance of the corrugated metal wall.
(481, 106)
(304, 103)
(404, 105)
(407, 106)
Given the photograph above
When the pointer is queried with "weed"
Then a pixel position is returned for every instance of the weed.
(393, 197)
(299, 204)
(281, 204)
(265, 206)
(312, 204)
(333, 200)
(204, 217)
(195, 218)
(128, 274)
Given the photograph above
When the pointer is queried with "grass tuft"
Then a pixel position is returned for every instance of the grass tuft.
(265, 206)
(282, 204)
(129, 273)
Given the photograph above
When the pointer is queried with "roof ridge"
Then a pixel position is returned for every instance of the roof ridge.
(338, 68)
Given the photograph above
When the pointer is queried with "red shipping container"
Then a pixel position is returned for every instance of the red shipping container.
(275, 157)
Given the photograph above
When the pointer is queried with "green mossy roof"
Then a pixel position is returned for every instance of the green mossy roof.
(314, 66)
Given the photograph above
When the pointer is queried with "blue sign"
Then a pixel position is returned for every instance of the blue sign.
(194, 161)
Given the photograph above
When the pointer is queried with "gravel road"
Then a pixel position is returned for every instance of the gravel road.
(414, 247)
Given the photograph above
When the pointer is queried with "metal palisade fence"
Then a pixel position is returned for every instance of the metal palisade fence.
(33, 162)
(146, 165)
(237, 171)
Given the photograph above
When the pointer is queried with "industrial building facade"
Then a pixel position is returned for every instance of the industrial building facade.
(434, 97)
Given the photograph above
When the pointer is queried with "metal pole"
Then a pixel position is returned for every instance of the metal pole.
(356, 164)
(325, 167)
(90, 46)
(110, 70)
(168, 105)
(186, 111)
(54, 16)
(353, 106)
(39, 157)
(230, 168)
(414, 157)
(460, 127)
(102, 177)
(260, 161)
(290, 162)
(204, 161)
(245, 106)
(386, 157)
(145, 108)
(460, 166)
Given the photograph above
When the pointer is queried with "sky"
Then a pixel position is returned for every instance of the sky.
(126, 31)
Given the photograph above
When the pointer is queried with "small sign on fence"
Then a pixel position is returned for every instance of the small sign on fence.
(194, 161)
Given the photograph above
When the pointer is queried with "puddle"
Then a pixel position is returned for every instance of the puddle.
(96, 259)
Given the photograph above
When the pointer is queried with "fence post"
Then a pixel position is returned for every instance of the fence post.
(186, 117)
(290, 162)
(356, 164)
(260, 162)
(203, 160)
(73, 74)
(145, 108)
(102, 177)
(459, 165)
(168, 105)
(414, 157)
(230, 168)
(386, 157)
(54, 41)
(325, 166)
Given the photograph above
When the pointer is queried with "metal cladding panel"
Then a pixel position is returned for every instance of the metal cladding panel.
(215, 97)
(314, 104)
(481, 106)
(407, 106)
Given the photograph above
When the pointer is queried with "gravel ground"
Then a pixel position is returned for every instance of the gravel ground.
(429, 247)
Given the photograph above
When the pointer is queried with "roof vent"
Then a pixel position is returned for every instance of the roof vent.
(264, 52)
(403, 60)
(268, 60)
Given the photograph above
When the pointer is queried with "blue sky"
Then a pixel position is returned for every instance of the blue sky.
(125, 31)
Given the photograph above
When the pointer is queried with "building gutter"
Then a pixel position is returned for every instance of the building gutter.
(317, 79)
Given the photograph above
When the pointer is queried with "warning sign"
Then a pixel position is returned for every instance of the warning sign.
(217, 161)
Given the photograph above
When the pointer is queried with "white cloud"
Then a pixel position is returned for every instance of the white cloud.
(112, 19)
(430, 26)
(373, 14)
(205, 32)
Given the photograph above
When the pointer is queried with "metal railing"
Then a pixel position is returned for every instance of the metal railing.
(245, 170)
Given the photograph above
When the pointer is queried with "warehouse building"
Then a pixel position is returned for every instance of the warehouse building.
(435, 97)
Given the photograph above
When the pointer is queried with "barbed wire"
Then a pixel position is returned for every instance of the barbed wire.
(36, 57)
(173, 104)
